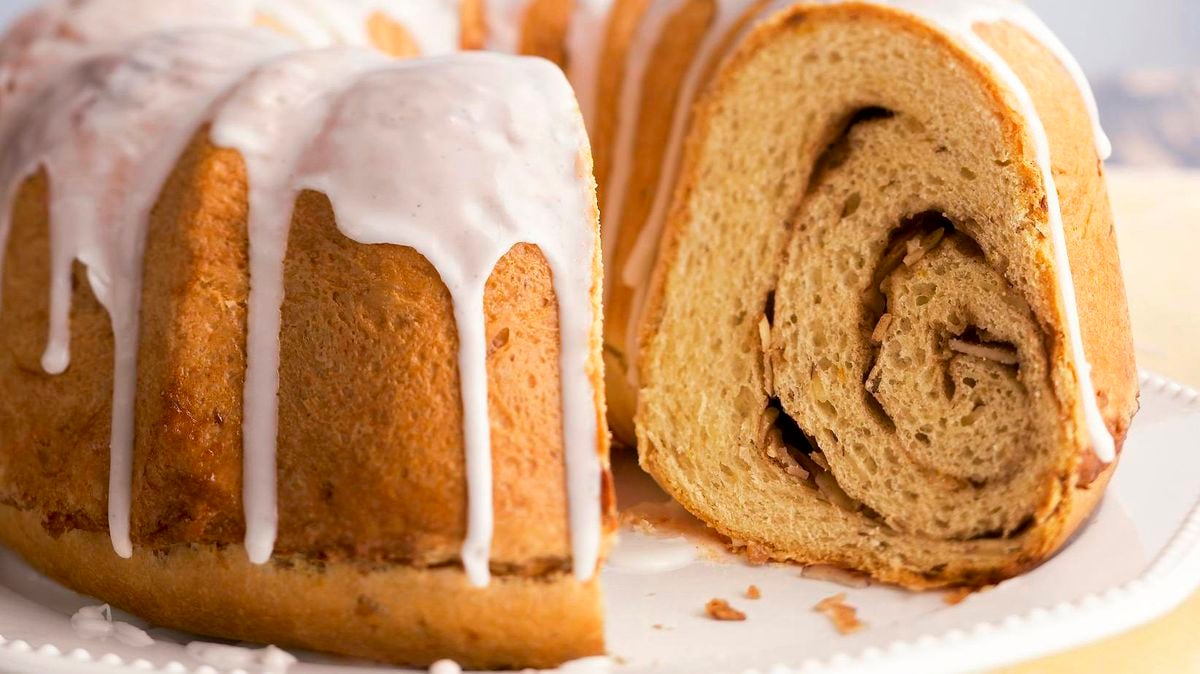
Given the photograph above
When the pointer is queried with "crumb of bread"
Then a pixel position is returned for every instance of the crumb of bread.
(637, 522)
(753, 592)
(956, 596)
(881, 329)
(756, 554)
(843, 616)
(719, 609)
(1000, 354)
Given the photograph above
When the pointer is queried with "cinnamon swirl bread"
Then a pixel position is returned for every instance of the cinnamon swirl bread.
(887, 328)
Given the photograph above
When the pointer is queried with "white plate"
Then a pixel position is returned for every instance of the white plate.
(1136, 559)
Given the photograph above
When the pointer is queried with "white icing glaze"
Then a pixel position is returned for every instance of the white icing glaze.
(527, 187)
(96, 622)
(504, 19)
(955, 17)
(108, 132)
(434, 24)
(460, 178)
(445, 667)
(585, 46)
(283, 101)
(131, 635)
(269, 660)
(637, 62)
(93, 622)
(640, 553)
(62, 32)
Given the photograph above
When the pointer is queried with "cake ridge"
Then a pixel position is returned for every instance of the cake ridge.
(242, 119)
(516, 137)
(110, 129)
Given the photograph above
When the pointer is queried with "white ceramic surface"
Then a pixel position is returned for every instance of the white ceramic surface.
(1137, 558)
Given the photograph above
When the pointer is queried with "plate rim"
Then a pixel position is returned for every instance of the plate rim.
(1167, 582)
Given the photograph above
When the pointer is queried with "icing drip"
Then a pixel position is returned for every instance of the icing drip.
(461, 179)
(585, 45)
(646, 36)
(636, 272)
(280, 102)
(955, 17)
(959, 18)
(445, 667)
(108, 133)
(434, 24)
(96, 622)
(504, 23)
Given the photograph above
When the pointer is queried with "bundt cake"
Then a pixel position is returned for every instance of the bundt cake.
(302, 344)
(304, 295)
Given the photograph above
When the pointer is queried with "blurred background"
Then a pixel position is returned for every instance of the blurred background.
(1143, 57)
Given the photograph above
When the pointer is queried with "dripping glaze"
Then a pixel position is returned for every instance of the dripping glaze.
(514, 143)
(535, 149)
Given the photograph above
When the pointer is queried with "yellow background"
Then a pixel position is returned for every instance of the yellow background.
(1158, 224)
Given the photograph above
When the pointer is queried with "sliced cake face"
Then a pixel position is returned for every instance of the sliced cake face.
(863, 258)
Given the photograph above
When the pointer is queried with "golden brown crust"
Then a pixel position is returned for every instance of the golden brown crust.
(670, 60)
(623, 20)
(1088, 222)
(544, 30)
(56, 458)
(673, 57)
(387, 612)
(1094, 264)
(391, 37)
(367, 334)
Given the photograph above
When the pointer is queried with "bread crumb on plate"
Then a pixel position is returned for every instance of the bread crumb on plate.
(843, 616)
(719, 609)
